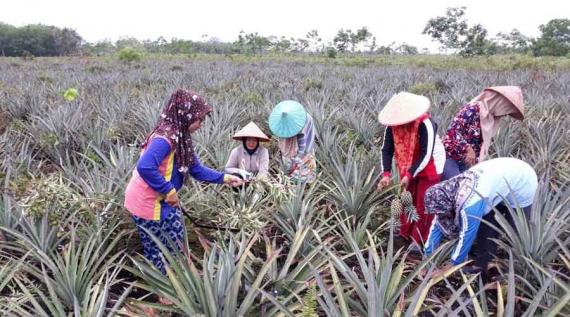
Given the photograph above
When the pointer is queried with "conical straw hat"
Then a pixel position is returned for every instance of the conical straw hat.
(287, 119)
(251, 130)
(514, 95)
(403, 108)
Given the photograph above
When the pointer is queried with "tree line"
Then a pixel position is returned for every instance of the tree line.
(452, 30)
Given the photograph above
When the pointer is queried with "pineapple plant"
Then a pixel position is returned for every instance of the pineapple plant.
(310, 301)
(92, 142)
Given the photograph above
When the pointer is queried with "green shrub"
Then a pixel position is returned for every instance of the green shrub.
(129, 55)
(311, 83)
(424, 89)
(331, 52)
(95, 69)
(252, 98)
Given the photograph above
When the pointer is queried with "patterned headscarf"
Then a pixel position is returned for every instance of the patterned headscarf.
(448, 197)
(183, 108)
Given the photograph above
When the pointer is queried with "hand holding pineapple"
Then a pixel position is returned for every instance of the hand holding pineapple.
(384, 182)
(405, 182)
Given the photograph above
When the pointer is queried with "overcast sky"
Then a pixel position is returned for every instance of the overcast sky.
(395, 20)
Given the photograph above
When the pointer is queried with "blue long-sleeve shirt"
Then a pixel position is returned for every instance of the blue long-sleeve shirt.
(148, 168)
(469, 221)
(306, 138)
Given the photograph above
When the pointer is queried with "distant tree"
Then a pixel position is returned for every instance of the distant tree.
(346, 38)
(281, 44)
(453, 32)
(449, 29)
(372, 45)
(180, 46)
(342, 40)
(406, 49)
(386, 50)
(67, 41)
(256, 44)
(314, 41)
(129, 42)
(104, 47)
(362, 35)
(239, 45)
(156, 46)
(212, 45)
(38, 40)
(554, 40)
(299, 45)
(476, 42)
(513, 42)
(8, 34)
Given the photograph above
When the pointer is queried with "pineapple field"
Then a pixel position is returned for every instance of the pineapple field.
(70, 135)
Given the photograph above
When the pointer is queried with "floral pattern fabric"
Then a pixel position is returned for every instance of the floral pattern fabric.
(169, 229)
(464, 130)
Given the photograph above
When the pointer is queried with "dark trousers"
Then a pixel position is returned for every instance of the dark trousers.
(486, 247)
(452, 168)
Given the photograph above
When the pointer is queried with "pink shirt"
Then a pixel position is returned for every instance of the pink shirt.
(257, 163)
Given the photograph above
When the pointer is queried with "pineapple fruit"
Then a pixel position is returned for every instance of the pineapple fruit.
(396, 207)
(406, 198)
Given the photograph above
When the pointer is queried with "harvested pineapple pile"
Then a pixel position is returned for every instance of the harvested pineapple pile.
(52, 196)
(249, 209)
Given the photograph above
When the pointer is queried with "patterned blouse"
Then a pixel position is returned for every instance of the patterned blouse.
(465, 129)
